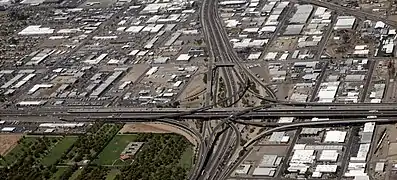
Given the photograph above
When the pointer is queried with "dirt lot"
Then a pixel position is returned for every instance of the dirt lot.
(144, 128)
(192, 96)
(7, 142)
(155, 128)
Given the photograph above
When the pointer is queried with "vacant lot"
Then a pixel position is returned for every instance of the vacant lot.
(7, 142)
(155, 128)
(145, 128)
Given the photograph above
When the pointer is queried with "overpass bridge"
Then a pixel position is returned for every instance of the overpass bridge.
(124, 114)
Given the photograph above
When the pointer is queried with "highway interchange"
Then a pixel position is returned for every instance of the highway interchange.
(219, 34)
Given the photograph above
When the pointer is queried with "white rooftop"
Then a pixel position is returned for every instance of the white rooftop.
(302, 156)
(264, 171)
(286, 120)
(134, 29)
(183, 57)
(326, 168)
(369, 127)
(271, 56)
(335, 136)
(345, 22)
(329, 155)
(36, 30)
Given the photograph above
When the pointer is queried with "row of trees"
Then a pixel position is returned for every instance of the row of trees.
(88, 146)
(68, 172)
(27, 164)
(159, 158)
(93, 172)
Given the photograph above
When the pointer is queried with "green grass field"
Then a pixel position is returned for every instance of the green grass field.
(112, 151)
(58, 150)
(187, 158)
(57, 175)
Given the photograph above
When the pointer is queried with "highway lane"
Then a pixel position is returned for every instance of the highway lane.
(218, 155)
(210, 95)
(219, 54)
(230, 153)
(222, 35)
(251, 113)
(230, 86)
(268, 107)
(281, 104)
(248, 116)
(226, 79)
(222, 54)
(223, 149)
(211, 59)
(232, 134)
(211, 170)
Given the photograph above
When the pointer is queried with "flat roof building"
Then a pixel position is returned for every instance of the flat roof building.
(345, 22)
(379, 167)
(335, 136)
(286, 120)
(293, 29)
(8, 129)
(232, 2)
(36, 30)
(302, 14)
(183, 57)
(303, 156)
(31, 103)
(264, 172)
(329, 168)
(243, 169)
(276, 137)
(268, 161)
(329, 155)
(328, 91)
